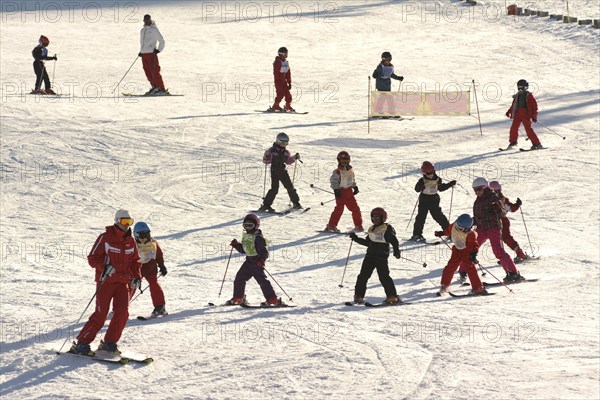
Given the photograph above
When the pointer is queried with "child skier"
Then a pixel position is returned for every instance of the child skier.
(152, 260)
(487, 213)
(464, 254)
(40, 54)
(524, 109)
(344, 187)
(283, 81)
(381, 235)
(278, 156)
(383, 73)
(507, 207)
(254, 246)
(429, 200)
(115, 258)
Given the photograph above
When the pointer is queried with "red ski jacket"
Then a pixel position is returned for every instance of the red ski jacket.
(117, 248)
(532, 106)
(282, 72)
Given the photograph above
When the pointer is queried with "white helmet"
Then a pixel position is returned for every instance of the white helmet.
(121, 214)
(479, 181)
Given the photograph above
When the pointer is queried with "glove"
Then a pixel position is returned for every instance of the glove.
(156, 51)
(353, 236)
(473, 257)
(518, 202)
(452, 183)
(508, 114)
(355, 190)
(297, 156)
(397, 253)
(163, 270)
(109, 270)
(439, 233)
(135, 283)
(234, 243)
(401, 79)
(534, 119)
(140, 54)
(260, 263)
(337, 192)
(54, 58)
(289, 86)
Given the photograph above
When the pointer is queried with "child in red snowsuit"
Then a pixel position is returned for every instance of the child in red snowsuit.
(118, 274)
(344, 187)
(524, 109)
(152, 259)
(464, 254)
(507, 207)
(283, 81)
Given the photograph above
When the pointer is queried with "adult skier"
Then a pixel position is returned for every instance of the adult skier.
(152, 43)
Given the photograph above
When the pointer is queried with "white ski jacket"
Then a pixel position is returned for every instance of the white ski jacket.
(149, 36)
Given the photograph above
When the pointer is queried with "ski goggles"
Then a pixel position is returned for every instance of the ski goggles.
(126, 221)
(248, 225)
(387, 59)
(479, 189)
(344, 160)
(144, 235)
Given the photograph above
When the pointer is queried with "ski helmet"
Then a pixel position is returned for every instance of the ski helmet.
(123, 214)
(44, 41)
(343, 155)
(427, 168)
(282, 50)
(386, 55)
(522, 84)
(479, 182)
(253, 218)
(464, 222)
(495, 186)
(379, 211)
(282, 139)
(140, 228)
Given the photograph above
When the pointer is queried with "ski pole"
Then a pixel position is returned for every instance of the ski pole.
(288, 296)
(53, 72)
(86, 307)
(451, 198)
(293, 177)
(526, 231)
(341, 285)
(504, 284)
(225, 274)
(413, 213)
(413, 261)
(557, 134)
(369, 108)
(477, 103)
(323, 190)
(134, 61)
(328, 201)
(265, 183)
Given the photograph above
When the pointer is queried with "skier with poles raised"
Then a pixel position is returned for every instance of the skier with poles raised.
(40, 54)
(152, 259)
(378, 241)
(278, 156)
(152, 43)
(507, 207)
(524, 109)
(116, 260)
(464, 254)
(254, 246)
(429, 200)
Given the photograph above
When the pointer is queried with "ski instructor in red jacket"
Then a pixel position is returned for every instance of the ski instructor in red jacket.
(118, 275)
(283, 81)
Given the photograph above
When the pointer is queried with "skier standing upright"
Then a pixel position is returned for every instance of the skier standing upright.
(283, 81)
(152, 260)
(383, 73)
(344, 188)
(524, 109)
(40, 54)
(152, 43)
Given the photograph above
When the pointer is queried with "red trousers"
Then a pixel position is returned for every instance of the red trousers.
(156, 292)
(152, 70)
(460, 258)
(348, 200)
(494, 236)
(507, 236)
(522, 116)
(281, 92)
(119, 294)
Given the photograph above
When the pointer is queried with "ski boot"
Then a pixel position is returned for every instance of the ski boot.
(297, 206)
(443, 289)
(81, 348)
(358, 300)
(417, 238)
(235, 301)
(463, 277)
(159, 310)
(109, 348)
(514, 277)
(272, 302)
(267, 209)
(392, 300)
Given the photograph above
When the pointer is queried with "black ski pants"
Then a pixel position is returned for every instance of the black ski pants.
(429, 203)
(280, 175)
(40, 73)
(370, 263)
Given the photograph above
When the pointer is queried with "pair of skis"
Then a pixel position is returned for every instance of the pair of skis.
(521, 149)
(284, 212)
(125, 357)
(248, 305)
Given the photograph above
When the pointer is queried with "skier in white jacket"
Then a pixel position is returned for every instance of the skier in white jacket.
(149, 38)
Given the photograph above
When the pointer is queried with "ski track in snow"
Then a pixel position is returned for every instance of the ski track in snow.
(191, 167)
